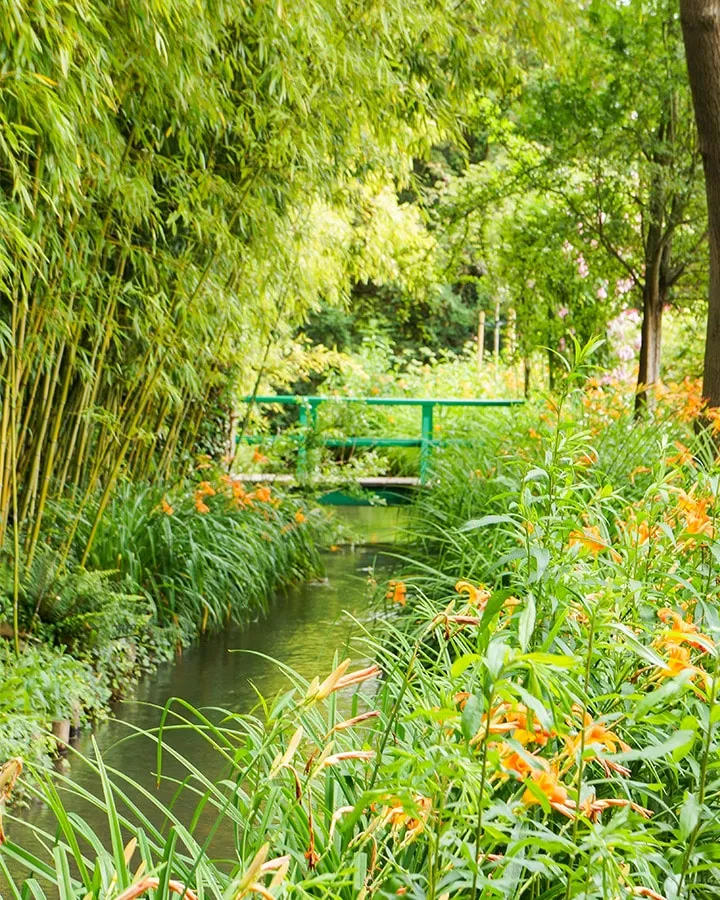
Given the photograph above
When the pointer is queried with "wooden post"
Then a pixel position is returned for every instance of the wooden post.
(480, 339)
(496, 336)
(512, 333)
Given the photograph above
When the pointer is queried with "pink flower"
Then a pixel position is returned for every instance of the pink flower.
(582, 266)
(602, 292)
(562, 312)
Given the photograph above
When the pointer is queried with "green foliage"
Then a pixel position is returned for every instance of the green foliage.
(156, 580)
(41, 685)
(204, 569)
(178, 184)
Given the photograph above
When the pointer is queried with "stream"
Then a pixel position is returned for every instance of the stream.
(304, 628)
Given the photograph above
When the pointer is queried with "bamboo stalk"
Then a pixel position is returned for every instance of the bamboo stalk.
(110, 485)
(89, 395)
(50, 460)
(16, 524)
(170, 441)
(32, 480)
(4, 425)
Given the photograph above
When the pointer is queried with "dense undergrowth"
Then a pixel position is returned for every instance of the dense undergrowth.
(540, 721)
(164, 568)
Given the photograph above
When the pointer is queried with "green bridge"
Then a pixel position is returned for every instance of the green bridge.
(391, 489)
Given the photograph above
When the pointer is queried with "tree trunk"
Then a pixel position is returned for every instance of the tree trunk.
(655, 295)
(650, 346)
(701, 33)
(480, 340)
(526, 365)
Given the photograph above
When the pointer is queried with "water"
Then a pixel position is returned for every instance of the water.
(304, 629)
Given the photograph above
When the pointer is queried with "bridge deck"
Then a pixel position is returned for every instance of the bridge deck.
(380, 482)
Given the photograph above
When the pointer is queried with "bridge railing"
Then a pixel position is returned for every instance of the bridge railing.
(307, 417)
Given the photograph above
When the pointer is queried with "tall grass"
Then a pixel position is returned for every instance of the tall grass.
(207, 569)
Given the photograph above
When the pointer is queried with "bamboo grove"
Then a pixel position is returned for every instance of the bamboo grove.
(157, 162)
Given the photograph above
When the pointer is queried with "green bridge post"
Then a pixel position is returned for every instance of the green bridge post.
(426, 436)
(304, 420)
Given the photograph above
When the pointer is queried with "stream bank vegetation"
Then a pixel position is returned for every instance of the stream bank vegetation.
(539, 718)
(165, 568)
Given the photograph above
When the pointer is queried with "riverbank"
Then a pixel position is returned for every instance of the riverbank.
(165, 568)
(304, 627)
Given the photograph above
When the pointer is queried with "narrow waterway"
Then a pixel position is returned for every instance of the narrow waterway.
(304, 629)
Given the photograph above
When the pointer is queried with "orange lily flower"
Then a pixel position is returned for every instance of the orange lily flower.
(681, 631)
(507, 719)
(682, 457)
(204, 489)
(548, 782)
(597, 735)
(259, 457)
(694, 512)
(678, 661)
(476, 596)
(587, 459)
(264, 493)
(414, 822)
(589, 538)
(300, 516)
(397, 592)
(518, 765)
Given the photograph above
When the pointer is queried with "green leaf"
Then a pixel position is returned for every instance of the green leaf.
(541, 555)
(65, 886)
(359, 871)
(462, 663)
(689, 816)
(555, 660)
(646, 653)
(679, 740)
(474, 524)
(471, 717)
(668, 691)
(527, 623)
(113, 821)
(493, 606)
